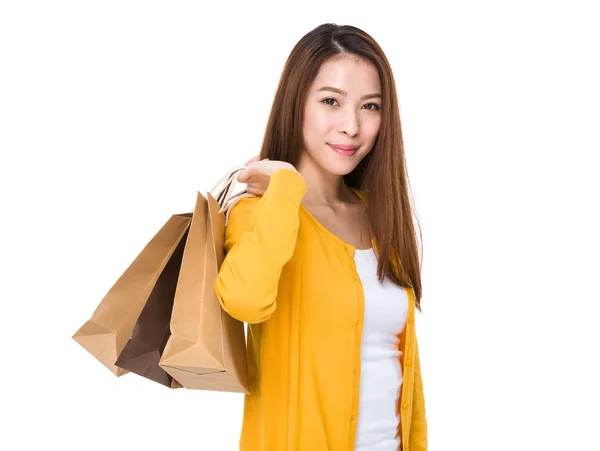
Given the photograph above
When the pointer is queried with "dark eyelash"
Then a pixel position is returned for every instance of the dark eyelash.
(370, 109)
(377, 107)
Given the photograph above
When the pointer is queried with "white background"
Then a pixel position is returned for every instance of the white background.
(113, 114)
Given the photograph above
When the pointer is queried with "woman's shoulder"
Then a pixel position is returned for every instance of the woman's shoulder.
(242, 207)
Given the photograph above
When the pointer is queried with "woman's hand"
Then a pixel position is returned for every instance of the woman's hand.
(258, 174)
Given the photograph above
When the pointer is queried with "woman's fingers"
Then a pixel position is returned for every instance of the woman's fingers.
(244, 175)
(256, 191)
(252, 160)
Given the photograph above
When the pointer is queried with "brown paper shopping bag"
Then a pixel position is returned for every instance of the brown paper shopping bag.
(111, 325)
(207, 348)
(142, 352)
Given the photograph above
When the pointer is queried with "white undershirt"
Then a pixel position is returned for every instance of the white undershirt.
(385, 311)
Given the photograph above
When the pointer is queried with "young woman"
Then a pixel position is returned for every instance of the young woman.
(323, 262)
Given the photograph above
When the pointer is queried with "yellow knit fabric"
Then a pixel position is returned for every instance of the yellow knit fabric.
(296, 285)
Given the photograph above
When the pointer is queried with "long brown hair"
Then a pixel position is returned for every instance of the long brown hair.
(381, 176)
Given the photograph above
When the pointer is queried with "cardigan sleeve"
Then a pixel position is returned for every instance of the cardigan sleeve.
(418, 426)
(259, 240)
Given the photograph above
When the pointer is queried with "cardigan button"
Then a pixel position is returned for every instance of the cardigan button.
(411, 319)
(408, 362)
(405, 406)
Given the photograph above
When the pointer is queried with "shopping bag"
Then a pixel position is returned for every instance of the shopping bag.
(111, 325)
(207, 348)
(141, 354)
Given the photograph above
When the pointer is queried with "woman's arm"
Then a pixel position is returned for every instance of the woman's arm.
(259, 240)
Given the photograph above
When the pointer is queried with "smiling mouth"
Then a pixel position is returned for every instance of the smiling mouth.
(345, 152)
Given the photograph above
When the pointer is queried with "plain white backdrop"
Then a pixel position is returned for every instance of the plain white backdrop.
(113, 114)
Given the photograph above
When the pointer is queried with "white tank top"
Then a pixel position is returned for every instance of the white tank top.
(385, 311)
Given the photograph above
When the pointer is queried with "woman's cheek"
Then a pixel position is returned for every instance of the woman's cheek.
(372, 127)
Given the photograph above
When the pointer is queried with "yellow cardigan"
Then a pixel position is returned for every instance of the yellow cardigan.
(296, 284)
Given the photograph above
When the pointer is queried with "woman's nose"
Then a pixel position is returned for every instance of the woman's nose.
(350, 124)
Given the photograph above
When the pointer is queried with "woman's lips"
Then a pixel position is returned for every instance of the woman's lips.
(345, 152)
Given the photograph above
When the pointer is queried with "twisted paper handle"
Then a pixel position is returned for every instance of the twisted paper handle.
(224, 196)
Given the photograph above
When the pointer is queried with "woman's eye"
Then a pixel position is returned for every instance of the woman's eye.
(371, 106)
(375, 107)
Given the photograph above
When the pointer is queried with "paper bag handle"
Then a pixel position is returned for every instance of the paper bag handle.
(224, 196)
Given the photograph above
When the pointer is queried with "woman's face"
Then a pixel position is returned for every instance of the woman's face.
(342, 108)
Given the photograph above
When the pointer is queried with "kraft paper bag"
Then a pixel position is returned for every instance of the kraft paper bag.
(143, 351)
(112, 323)
(207, 347)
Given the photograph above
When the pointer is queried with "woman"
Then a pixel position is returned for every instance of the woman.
(323, 264)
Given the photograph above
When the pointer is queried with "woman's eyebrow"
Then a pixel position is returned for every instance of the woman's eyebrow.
(344, 93)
